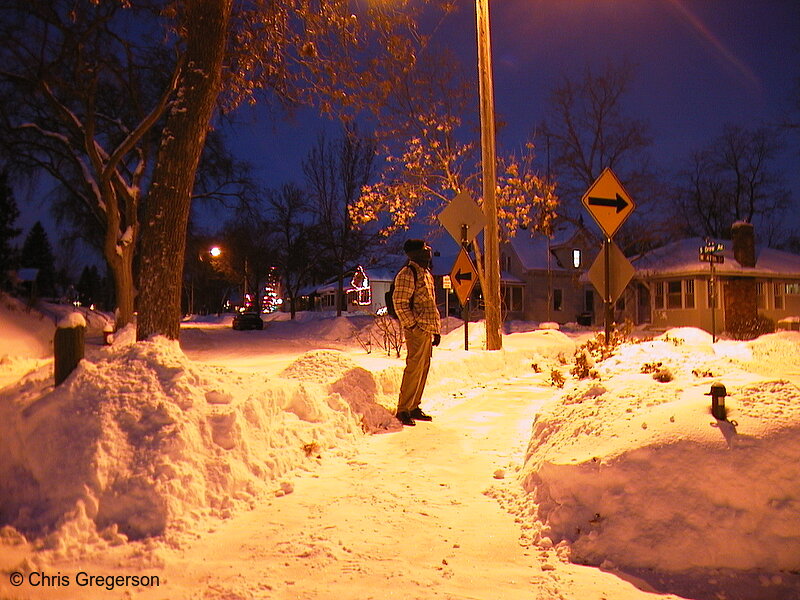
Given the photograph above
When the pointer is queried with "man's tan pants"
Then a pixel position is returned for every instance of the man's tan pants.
(418, 361)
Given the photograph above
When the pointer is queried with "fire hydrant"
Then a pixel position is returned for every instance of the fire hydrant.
(718, 394)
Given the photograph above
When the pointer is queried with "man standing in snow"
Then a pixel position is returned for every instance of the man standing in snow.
(415, 303)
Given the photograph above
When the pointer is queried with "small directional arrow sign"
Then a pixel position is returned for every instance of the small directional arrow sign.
(463, 276)
(608, 202)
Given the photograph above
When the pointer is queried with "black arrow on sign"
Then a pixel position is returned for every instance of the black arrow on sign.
(619, 202)
(460, 276)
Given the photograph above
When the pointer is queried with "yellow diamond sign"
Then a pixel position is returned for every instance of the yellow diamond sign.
(463, 276)
(608, 202)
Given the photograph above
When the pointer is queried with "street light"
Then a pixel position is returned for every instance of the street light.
(213, 252)
(494, 339)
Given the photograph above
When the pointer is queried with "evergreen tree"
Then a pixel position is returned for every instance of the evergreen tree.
(38, 254)
(8, 216)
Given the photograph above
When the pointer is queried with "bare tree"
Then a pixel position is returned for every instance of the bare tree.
(336, 171)
(587, 130)
(294, 236)
(79, 101)
(734, 179)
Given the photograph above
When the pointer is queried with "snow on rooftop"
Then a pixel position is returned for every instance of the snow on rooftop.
(681, 258)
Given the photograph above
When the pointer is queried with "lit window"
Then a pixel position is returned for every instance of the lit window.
(793, 288)
(576, 258)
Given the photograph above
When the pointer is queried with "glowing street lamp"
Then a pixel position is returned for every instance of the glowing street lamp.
(216, 251)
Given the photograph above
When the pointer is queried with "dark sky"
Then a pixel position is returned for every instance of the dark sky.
(700, 64)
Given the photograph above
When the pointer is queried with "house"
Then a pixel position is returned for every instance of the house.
(364, 290)
(542, 279)
(672, 287)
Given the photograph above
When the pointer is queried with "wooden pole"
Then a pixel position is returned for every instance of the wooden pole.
(67, 351)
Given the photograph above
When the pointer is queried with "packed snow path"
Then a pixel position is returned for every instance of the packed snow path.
(406, 517)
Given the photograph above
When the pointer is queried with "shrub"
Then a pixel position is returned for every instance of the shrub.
(748, 329)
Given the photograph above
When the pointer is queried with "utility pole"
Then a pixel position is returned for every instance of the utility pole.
(491, 295)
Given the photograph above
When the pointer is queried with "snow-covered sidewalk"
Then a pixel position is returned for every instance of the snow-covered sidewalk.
(409, 515)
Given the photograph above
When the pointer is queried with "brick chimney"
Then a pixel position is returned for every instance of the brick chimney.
(744, 244)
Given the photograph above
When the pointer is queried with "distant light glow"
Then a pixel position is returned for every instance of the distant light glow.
(215, 251)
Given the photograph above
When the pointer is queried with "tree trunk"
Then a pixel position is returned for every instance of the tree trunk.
(122, 272)
(167, 208)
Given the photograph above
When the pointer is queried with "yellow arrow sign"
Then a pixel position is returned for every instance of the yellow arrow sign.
(463, 276)
(608, 202)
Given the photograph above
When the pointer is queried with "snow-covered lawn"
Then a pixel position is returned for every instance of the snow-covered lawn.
(242, 465)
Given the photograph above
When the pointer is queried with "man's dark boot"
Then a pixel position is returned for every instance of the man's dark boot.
(419, 415)
(405, 419)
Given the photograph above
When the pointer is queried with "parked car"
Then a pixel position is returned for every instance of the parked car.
(248, 320)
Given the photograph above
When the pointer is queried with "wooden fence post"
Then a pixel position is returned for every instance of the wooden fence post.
(68, 345)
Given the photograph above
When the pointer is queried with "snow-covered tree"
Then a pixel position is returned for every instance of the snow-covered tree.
(431, 155)
(79, 99)
(324, 54)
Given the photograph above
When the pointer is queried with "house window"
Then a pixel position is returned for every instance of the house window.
(793, 288)
(576, 258)
(688, 293)
(512, 298)
(761, 294)
(588, 301)
(777, 297)
(674, 294)
(658, 294)
(558, 299)
(507, 263)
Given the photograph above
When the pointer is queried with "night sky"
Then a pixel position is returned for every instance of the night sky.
(699, 65)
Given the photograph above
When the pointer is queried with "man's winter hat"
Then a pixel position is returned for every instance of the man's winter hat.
(413, 246)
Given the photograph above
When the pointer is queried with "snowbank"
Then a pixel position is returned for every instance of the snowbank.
(26, 332)
(637, 473)
(141, 442)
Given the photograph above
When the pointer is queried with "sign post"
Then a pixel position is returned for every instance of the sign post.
(711, 252)
(610, 273)
(463, 276)
(463, 220)
(610, 205)
(447, 285)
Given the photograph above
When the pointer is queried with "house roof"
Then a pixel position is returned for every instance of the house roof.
(681, 258)
(533, 249)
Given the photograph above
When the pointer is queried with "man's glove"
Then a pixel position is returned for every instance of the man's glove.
(436, 339)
